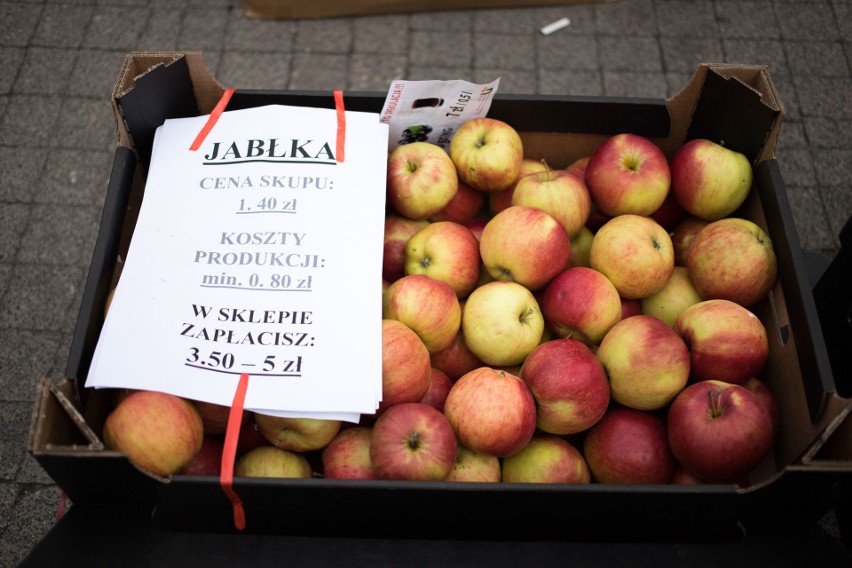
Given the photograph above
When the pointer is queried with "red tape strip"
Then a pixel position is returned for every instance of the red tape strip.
(341, 124)
(212, 119)
(226, 478)
(60, 510)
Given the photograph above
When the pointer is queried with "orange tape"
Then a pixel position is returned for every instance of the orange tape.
(226, 478)
(341, 124)
(212, 119)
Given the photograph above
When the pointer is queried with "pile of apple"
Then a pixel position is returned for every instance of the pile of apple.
(576, 325)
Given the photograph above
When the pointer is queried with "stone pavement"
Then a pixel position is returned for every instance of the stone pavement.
(59, 60)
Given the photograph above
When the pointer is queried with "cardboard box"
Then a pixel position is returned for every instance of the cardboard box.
(295, 10)
(734, 103)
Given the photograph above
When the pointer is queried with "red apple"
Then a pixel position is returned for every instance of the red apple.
(726, 341)
(569, 385)
(670, 213)
(487, 154)
(525, 245)
(578, 166)
(629, 446)
(765, 395)
(439, 387)
(208, 461)
(250, 437)
(457, 359)
(732, 259)
(719, 431)
(558, 192)
(297, 434)
(474, 467)
(463, 206)
(215, 416)
(709, 180)
(269, 461)
(635, 253)
(412, 441)
(406, 367)
(347, 456)
(683, 477)
(628, 174)
(476, 226)
(158, 432)
(682, 236)
(398, 230)
(421, 180)
(581, 303)
(492, 412)
(630, 308)
(428, 306)
(546, 459)
(446, 251)
(499, 200)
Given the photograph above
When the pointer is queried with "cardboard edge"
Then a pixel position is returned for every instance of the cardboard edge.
(51, 394)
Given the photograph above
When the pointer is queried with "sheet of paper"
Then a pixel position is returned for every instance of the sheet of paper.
(259, 253)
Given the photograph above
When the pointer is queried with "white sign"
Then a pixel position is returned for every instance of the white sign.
(258, 253)
(432, 111)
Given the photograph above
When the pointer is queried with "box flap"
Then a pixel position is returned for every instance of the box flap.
(57, 424)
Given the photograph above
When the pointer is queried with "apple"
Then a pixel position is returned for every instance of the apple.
(525, 245)
(465, 205)
(492, 412)
(682, 236)
(719, 431)
(629, 446)
(726, 341)
(766, 396)
(487, 154)
(646, 361)
(250, 437)
(499, 200)
(597, 218)
(428, 306)
(683, 477)
(347, 456)
(471, 466)
(668, 302)
(635, 253)
(421, 180)
(398, 230)
(406, 366)
(581, 244)
(208, 461)
(412, 441)
(269, 461)
(215, 416)
(456, 359)
(446, 251)
(578, 166)
(709, 180)
(558, 192)
(630, 308)
(569, 385)
(439, 387)
(546, 459)
(476, 226)
(670, 213)
(502, 323)
(732, 259)
(297, 434)
(581, 303)
(628, 174)
(159, 432)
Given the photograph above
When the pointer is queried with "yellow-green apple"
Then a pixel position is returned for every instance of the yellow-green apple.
(558, 192)
(646, 361)
(208, 461)
(428, 306)
(525, 245)
(581, 244)
(569, 385)
(502, 323)
(406, 367)
(499, 200)
(463, 206)
(447, 251)
(635, 253)
(726, 341)
(421, 180)
(474, 467)
(412, 441)
(398, 230)
(487, 154)
(709, 180)
(670, 213)
(668, 302)
(439, 387)
(269, 461)
(719, 431)
(492, 412)
(297, 434)
(629, 446)
(546, 459)
(457, 359)
(347, 456)
(628, 174)
(581, 303)
(215, 416)
(630, 308)
(682, 236)
(765, 395)
(578, 166)
(732, 259)
(158, 432)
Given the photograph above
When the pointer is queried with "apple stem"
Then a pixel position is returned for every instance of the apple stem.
(414, 440)
(715, 396)
(548, 171)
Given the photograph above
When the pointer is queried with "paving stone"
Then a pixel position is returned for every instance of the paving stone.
(21, 171)
(636, 17)
(203, 29)
(244, 34)
(63, 25)
(95, 72)
(11, 59)
(29, 120)
(792, 135)
(824, 96)
(505, 20)
(563, 51)
(85, 123)
(59, 234)
(581, 16)
(162, 28)
(797, 167)
(685, 54)
(20, 21)
(35, 513)
(381, 34)
(811, 219)
(8, 495)
(75, 177)
(768, 52)
(15, 421)
(13, 222)
(515, 81)
(633, 54)
(45, 71)
(245, 70)
(822, 58)
(448, 49)
(686, 19)
(38, 297)
(450, 20)
(438, 72)
(824, 132)
(324, 36)
(575, 82)
(318, 72)
(806, 20)
(748, 20)
(373, 73)
(838, 204)
(25, 363)
(504, 51)
(629, 84)
(108, 28)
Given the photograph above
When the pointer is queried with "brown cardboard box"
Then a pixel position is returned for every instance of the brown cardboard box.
(737, 103)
